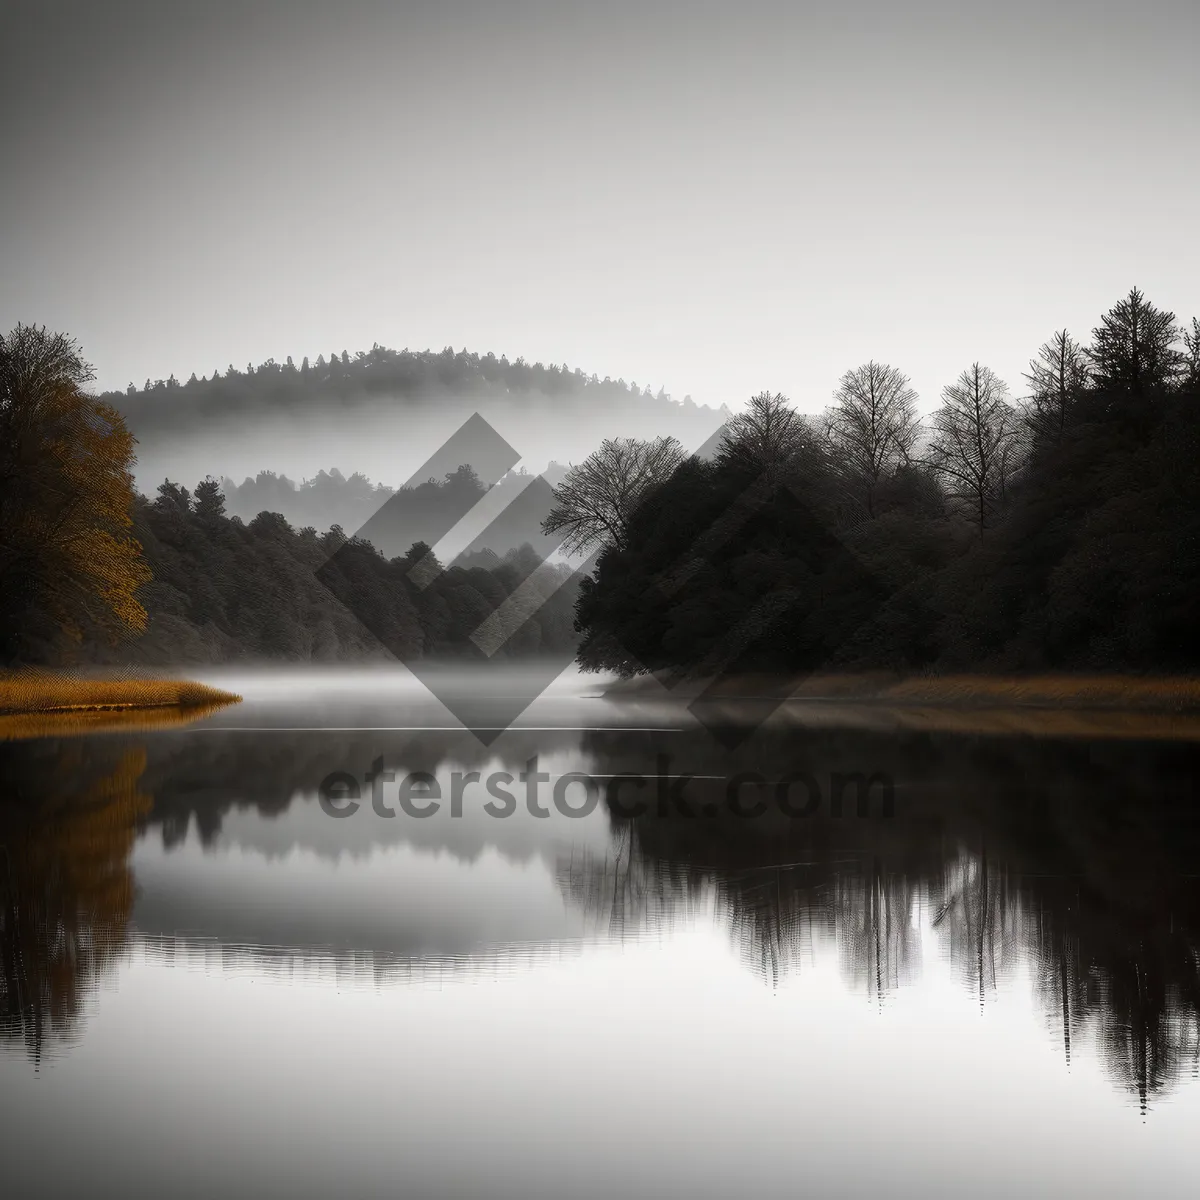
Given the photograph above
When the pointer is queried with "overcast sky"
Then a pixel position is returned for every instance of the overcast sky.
(710, 198)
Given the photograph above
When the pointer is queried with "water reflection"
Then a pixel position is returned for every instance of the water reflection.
(67, 823)
(1071, 862)
(1066, 866)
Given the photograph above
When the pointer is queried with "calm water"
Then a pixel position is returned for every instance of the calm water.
(212, 984)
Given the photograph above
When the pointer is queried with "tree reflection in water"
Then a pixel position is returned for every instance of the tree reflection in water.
(1068, 861)
(68, 822)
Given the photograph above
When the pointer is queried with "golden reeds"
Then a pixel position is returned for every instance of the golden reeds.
(1124, 692)
(51, 704)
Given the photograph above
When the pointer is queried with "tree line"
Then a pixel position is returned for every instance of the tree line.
(225, 589)
(330, 498)
(1059, 530)
(92, 571)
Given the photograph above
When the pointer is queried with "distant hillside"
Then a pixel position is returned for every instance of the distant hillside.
(225, 590)
(393, 519)
(383, 412)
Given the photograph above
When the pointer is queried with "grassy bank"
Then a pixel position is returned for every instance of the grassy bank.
(1114, 693)
(44, 693)
(1064, 706)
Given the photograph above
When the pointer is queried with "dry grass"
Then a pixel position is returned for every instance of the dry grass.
(1122, 692)
(44, 693)
(994, 719)
(1113, 693)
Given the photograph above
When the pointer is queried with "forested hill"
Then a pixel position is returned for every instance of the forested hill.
(408, 376)
(383, 411)
(221, 589)
(400, 517)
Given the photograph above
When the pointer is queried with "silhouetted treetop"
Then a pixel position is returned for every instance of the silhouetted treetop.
(858, 541)
(1134, 345)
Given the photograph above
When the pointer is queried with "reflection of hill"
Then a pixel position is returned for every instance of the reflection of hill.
(1072, 860)
(68, 822)
(204, 779)
(347, 968)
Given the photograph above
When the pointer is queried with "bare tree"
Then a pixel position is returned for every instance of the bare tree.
(598, 497)
(1191, 339)
(976, 444)
(873, 425)
(1057, 377)
(769, 438)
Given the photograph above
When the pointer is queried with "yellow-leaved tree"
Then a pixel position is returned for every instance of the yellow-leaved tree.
(69, 568)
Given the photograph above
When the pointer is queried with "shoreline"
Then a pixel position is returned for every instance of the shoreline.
(47, 693)
(1043, 692)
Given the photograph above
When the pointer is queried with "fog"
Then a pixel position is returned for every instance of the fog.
(387, 438)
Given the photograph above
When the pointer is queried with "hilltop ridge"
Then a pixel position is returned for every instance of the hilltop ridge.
(384, 411)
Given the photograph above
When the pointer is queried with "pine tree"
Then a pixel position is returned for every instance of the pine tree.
(209, 504)
(1133, 348)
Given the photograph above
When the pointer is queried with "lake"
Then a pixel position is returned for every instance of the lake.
(330, 942)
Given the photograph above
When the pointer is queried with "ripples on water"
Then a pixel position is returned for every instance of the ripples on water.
(1054, 877)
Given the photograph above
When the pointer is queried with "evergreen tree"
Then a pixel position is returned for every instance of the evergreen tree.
(209, 504)
(1133, 352)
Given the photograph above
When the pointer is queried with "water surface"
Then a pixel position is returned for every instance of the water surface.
(982, 980)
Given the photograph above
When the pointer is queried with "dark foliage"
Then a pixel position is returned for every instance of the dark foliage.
(224, 589)
(331, 498)
(766, 561)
